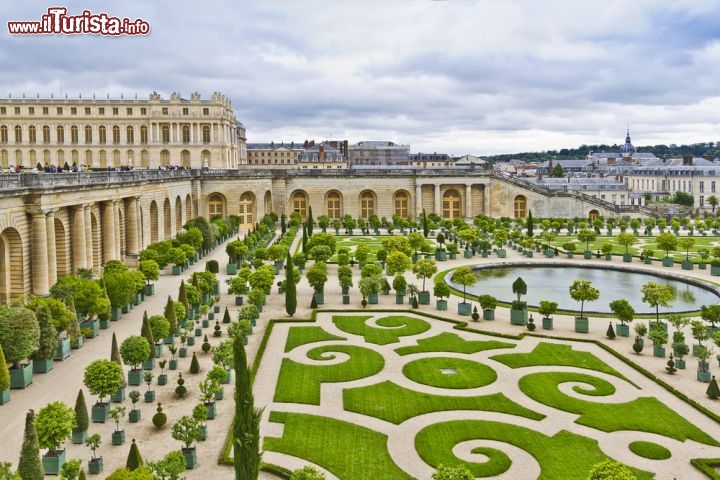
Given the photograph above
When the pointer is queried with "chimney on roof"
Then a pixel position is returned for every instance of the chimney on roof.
(321, 154)
(687, 160)
(306, 144)
(611, 161)
(708, 157)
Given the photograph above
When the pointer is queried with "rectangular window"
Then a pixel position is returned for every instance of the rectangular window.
(702, 200)
(116, 111)
(101, 111)
(701, 187)
(46, 111)
(143, 111)
(3, 110)
(164, 110)
(186, 111)
(59, 110)
(206, 111)
(712, 187)
(129, 111)
(73, 110)
(31, 110)
(17, 110)
(87, 110)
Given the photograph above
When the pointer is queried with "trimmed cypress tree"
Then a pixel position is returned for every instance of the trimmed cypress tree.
(610, 332)
(115, 355)
(290, 287)
(283, 226)
(226, 316)
(48, 335)
(246, 427)
(134, 460)
(146, 331)
(82, 421)
(82, 475)
(713, 391)
(4, 372)
(169, 314)
(304, 240)
(29, 465)
(182, 296)
(310, 222)
(194, 364)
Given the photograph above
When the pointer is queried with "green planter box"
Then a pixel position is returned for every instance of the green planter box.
(518, 316)
(467, 254)
(488, 314)
(150, 396)
(21, 377)
(93, 326)
(659, 352)
(169, 340)
(668, 262)
(100, 412)
(424, 298)
(158, 350)
(176, 269)
(182, 353)
(581, 325)
(138, 299)
(623, 330)
(319, 298)
(231, 269)
(373, 299)
(116, 313)
(4, 396)
(119, 396)
(211, 410)
(77, 343)
(549, 253)
(162, 379)
(714, 271)
(346, 299)
(547, 323)
(78, 437)
(150, 290)
(190, 455)
(648, 261)
(104, 323)
(63, 349)
(135, 415)
(134, 377)
(118, 438)
(587, 254)
(42, 365)
(53, 461)
(687, 265)
(608, 256)
(220, 394)
(238, 300)
(95, 465)
(149, 364)
(464, 308)
(704, 376)
(441, 304)
(399, 299)
(680, 363)
(627, 258)
(125, 309)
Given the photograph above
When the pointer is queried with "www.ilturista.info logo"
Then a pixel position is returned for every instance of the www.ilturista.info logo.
(58, 22)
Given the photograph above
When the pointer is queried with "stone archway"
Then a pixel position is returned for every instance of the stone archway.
(12, 276)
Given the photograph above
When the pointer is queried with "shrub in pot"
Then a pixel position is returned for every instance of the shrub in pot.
(102, 378)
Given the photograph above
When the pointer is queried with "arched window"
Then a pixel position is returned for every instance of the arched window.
(33, 158)
(116, 134)
(116, 158)
(18, 134)
(74, 134)
(19, 157)
(247, 207)
(299, 203)
(75, 157)
(46, 156)
(165, 133)
(4, 159)
(520, 206)
(103, 159)
(593, 215)
(206, 134)
(451, 204)
(89, 158)
(3, 134)
(185, 158)
(215, 205)
(88, 134)
(46, 134)
(401, 202)
(129, 135)
(205, 157)
(367, 204)
(165, 158)
(143, 135)
(32, 134)
(144, 160)
(60, 135)
(186, 133)
(102, 134)
(334, 205)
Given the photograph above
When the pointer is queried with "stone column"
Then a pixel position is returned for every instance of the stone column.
(116, 238)
(51, 247)
(108, 235)
(78, 238)
(418, 200)
(89, 261)
(131, 228)
(468, 201)
(39, 254)
(486, 199)
(438, 203)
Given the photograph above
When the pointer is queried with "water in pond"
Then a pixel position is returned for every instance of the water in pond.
(553, 283)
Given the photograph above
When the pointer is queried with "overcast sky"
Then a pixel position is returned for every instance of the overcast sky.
(454, 76)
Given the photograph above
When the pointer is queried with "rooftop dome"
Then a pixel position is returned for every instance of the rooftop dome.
(628, 148)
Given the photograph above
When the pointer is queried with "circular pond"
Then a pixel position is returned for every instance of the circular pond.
(553, 282)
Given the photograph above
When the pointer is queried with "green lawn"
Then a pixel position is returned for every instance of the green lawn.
(347, 450)
(644, 414)
(300, 383)
(556, 354)
(452, 342)
(565, 455)
(400, 403)
(397, 326)
(449, 372)
(298, 336)
(650, 450)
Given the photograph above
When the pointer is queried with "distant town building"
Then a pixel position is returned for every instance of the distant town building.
(378, 153)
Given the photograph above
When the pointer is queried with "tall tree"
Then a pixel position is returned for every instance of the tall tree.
(246, 427)
(530, 224)
(146, 331)
(29, 465)
(290, 287)
(310, 222)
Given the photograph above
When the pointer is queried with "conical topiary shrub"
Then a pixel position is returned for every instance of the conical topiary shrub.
(610, 332)
(713, 391)
(146, 332)
(29, 465)
(195, 364)
(226, 316)
(4, 373)
(82, 420)
(170, 316)
(134, 460)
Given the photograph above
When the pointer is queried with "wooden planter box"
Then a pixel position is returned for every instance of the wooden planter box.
(623, 330)
(93, 326)
(231, 269)
(78, 437)
(668, 262)
(627, 258)
(211, 410)
(4, 396)
(346, 299)
(373, 299)
(21, 377)
(547, 323)
(659, 352)
(118, 437)
(100, 412)
(319, 298)
(53, 461)
(63, 349)
(150, 290)
(687, 265)
(518, 317)
(464, 308)
(134, 377)
(238, 300)
(150, 396)
(488, 314)
(116, 313)
(424, 298)
(104, 323)
(119, 396)
(399, 298)
(42, 365)
(135, 415)
(190, 455)
(441, 304)
(581, 325)
(149, 364)
(95, 465)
